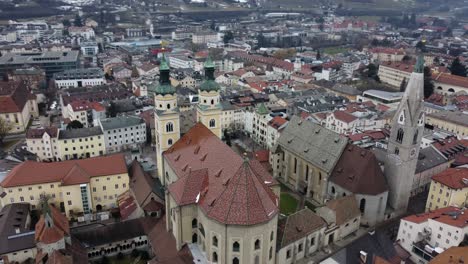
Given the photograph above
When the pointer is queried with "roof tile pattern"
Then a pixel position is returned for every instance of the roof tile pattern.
(32, 172)
(226, 187)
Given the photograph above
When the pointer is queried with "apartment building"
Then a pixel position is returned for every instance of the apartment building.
(394, 73)
(448, 188)
(77, 187)
(17, 105)
(83, 111)
(428, 234)
(123, 132)
(381, 54)
(204, 37)
(52, 144)
(79, 78)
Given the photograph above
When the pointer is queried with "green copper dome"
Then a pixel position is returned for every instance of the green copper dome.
(164, 86)
(209, 85)
(419, 67)
(262, 109)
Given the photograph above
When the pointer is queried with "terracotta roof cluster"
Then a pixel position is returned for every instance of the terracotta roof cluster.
(39, 132)
(386, 50)
(455, 178)
(344, 116)
(13, 96)
(451, 215)
(83, 105)
(228, 188)
(358, 171)
(52, 226)
(297, 226)
(399, 66)
(450, 79)
(277, 122)
(373, 134)
(270, 61)
(332, 65)
(127, 205)
(453, 149)
(67, 172)
(452, 255)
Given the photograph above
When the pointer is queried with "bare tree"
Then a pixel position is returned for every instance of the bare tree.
(5, 127)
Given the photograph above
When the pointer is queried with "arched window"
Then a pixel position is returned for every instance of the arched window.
(439, 88)
(235, 247)
(212, 101)
(397, 151)
(194, 223)
(333, 189)
(215, 241)
(362, 205)
(194, 238)
(202, 230)
(169, 127)
(415, 137)
(451, 90)
(270, 255)
(212, 123)
(168, 106)
(272, 235)
(400, 135)
(235, 260)
(257, 244)
(215, 257)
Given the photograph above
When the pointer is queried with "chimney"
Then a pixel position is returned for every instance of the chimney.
(363, 256)
(17, 230)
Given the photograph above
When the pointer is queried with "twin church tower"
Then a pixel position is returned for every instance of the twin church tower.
(167, 114)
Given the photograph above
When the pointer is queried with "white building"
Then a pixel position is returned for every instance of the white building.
(79, 78)
(89, 48)
(180, 61)
(85, 32)
(123, 132)
(204, 37)
(432, 232)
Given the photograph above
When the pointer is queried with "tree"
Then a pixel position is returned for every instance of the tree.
(111, 110)
(74, 124)
(261, 41)
(5, 127)
(104, 260)
(457, 68)
(228, 36)
(285, 53)
(66, 22)
(120, 256)
(413, 19)
(403, 85)
(428, 84)
(78, 22)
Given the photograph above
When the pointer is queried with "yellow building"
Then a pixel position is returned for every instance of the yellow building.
(209, 108)
(77, 187)
(448, 188)
(17, 105)
(52, 144)
(455, 122)
(167, 114)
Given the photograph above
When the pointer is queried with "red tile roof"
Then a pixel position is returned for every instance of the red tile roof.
(399, 66)
(39, 132)
(442, 215)
(358, 171)
(83, 105)
(63, 171)
(453, 178)
(450, 79)
(13, 96)
(277, 122)
(262, 155)
(56, 231)
(233, 191)
(344, 116)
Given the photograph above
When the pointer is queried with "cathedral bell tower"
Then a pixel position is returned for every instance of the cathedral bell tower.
(166, 116)
(405, 139)
(209, 105)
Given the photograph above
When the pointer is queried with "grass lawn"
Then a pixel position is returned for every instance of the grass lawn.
(288, 204)
(334, 50)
